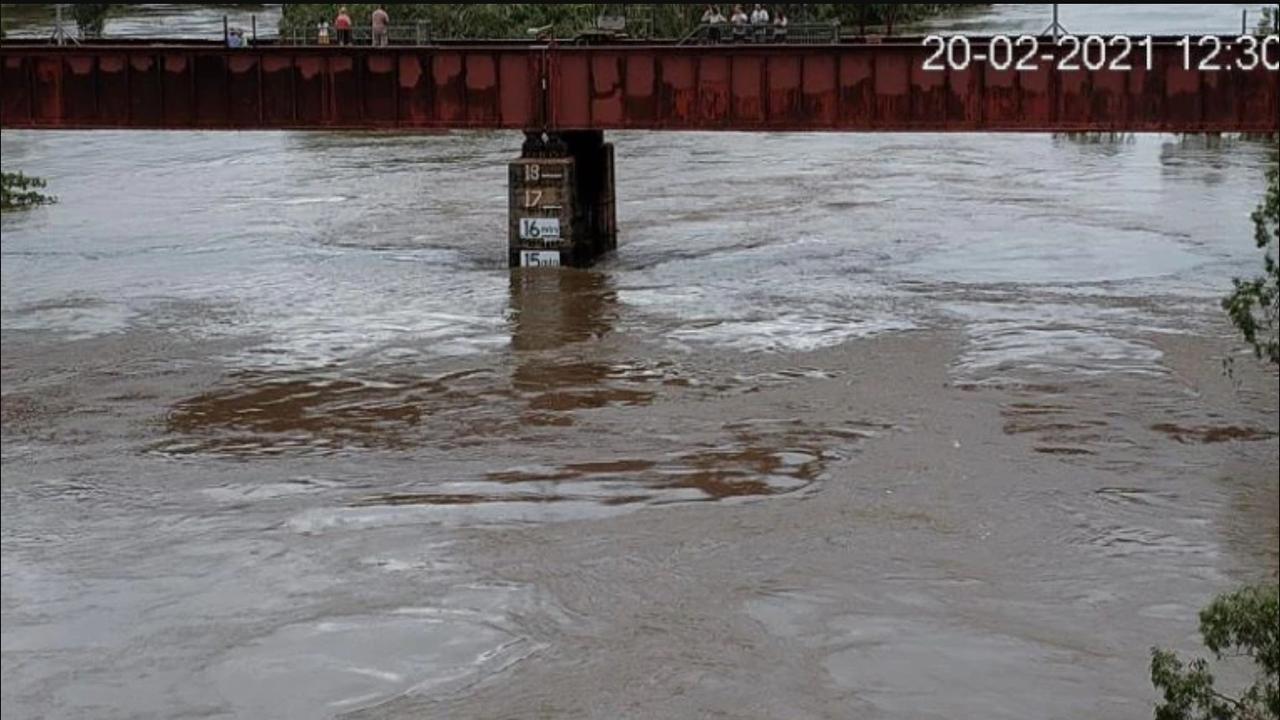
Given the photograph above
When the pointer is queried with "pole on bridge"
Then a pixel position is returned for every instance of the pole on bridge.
(1056, 29)
(60, 33)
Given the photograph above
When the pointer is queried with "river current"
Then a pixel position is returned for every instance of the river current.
(874, 426)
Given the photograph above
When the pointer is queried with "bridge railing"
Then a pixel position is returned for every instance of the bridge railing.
(725, 33)
(418, 34)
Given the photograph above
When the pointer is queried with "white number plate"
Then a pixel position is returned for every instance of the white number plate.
(539, 258)
(540, 229)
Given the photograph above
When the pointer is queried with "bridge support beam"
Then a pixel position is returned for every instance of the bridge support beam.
(563, 210)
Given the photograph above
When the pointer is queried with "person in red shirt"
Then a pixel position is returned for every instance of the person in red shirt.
(343, 25)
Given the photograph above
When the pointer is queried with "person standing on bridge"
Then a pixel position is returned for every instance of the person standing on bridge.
(342, 24)
(715, 21)
(780, 27)
(381, 26)
(739, 21)
(760, 22)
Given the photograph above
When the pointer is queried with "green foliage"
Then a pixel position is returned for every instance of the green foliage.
(18, 191)
(1254, 307)
(90, 17)
(1267, 25)
(1243, 624)
(670, 20)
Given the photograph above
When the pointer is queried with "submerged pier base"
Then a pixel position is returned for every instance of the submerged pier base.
(563, 210)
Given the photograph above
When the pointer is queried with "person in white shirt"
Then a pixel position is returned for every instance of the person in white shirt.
(760, 21)
(739, 21)
(780, 27)
(714, 21)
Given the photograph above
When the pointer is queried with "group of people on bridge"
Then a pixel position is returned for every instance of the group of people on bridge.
(758, 26)
(344, 28)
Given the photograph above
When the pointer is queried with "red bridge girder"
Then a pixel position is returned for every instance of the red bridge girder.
(846, 87)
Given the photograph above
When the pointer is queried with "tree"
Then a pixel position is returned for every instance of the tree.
(1254, 307)
(17, 191)
(1244, 624)
(90, 17)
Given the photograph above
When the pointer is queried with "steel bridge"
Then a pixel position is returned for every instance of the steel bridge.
(562, 206)
(850, 87)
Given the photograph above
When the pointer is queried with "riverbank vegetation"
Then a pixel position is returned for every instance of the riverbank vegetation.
(1242, 625)
(1254, 306)
(17, 191)
(664, 20)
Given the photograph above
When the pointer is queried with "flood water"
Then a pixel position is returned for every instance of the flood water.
(852, 426)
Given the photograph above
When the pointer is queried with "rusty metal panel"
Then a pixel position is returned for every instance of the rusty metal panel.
(1036, 99)
(747, 90)
(929, 99)
(380, 94)
(678, 90)
(244, 91)
(179, 90)
(1218, 101)
(1258, 117)
(519, 84)
(641, 85)
(1109, 93)
(211, 90)
(113, 104)
(1000, 96)
(713, 91)
(15, 91)
(1074, 105)
(79, 90)
(857, 91)
(450, 91)
(346, 91)
(964, 98)
(571, 90)
(1182, 92)
(892, 88)
(482, 90)
(277, 93)
(785, 97)
(1153, 97)
(820, 92)
(1145, 99)
(47, 75)
(608, 106)
(416, 90)
(311, 90)
(1257, 103)
(146, 96)
(1275, 102)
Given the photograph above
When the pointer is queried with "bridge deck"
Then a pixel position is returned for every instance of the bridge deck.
(844, 87)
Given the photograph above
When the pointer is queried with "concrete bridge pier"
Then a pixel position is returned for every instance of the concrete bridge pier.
(563, 211)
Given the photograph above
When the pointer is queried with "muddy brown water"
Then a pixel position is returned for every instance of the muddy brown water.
(891, 426)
